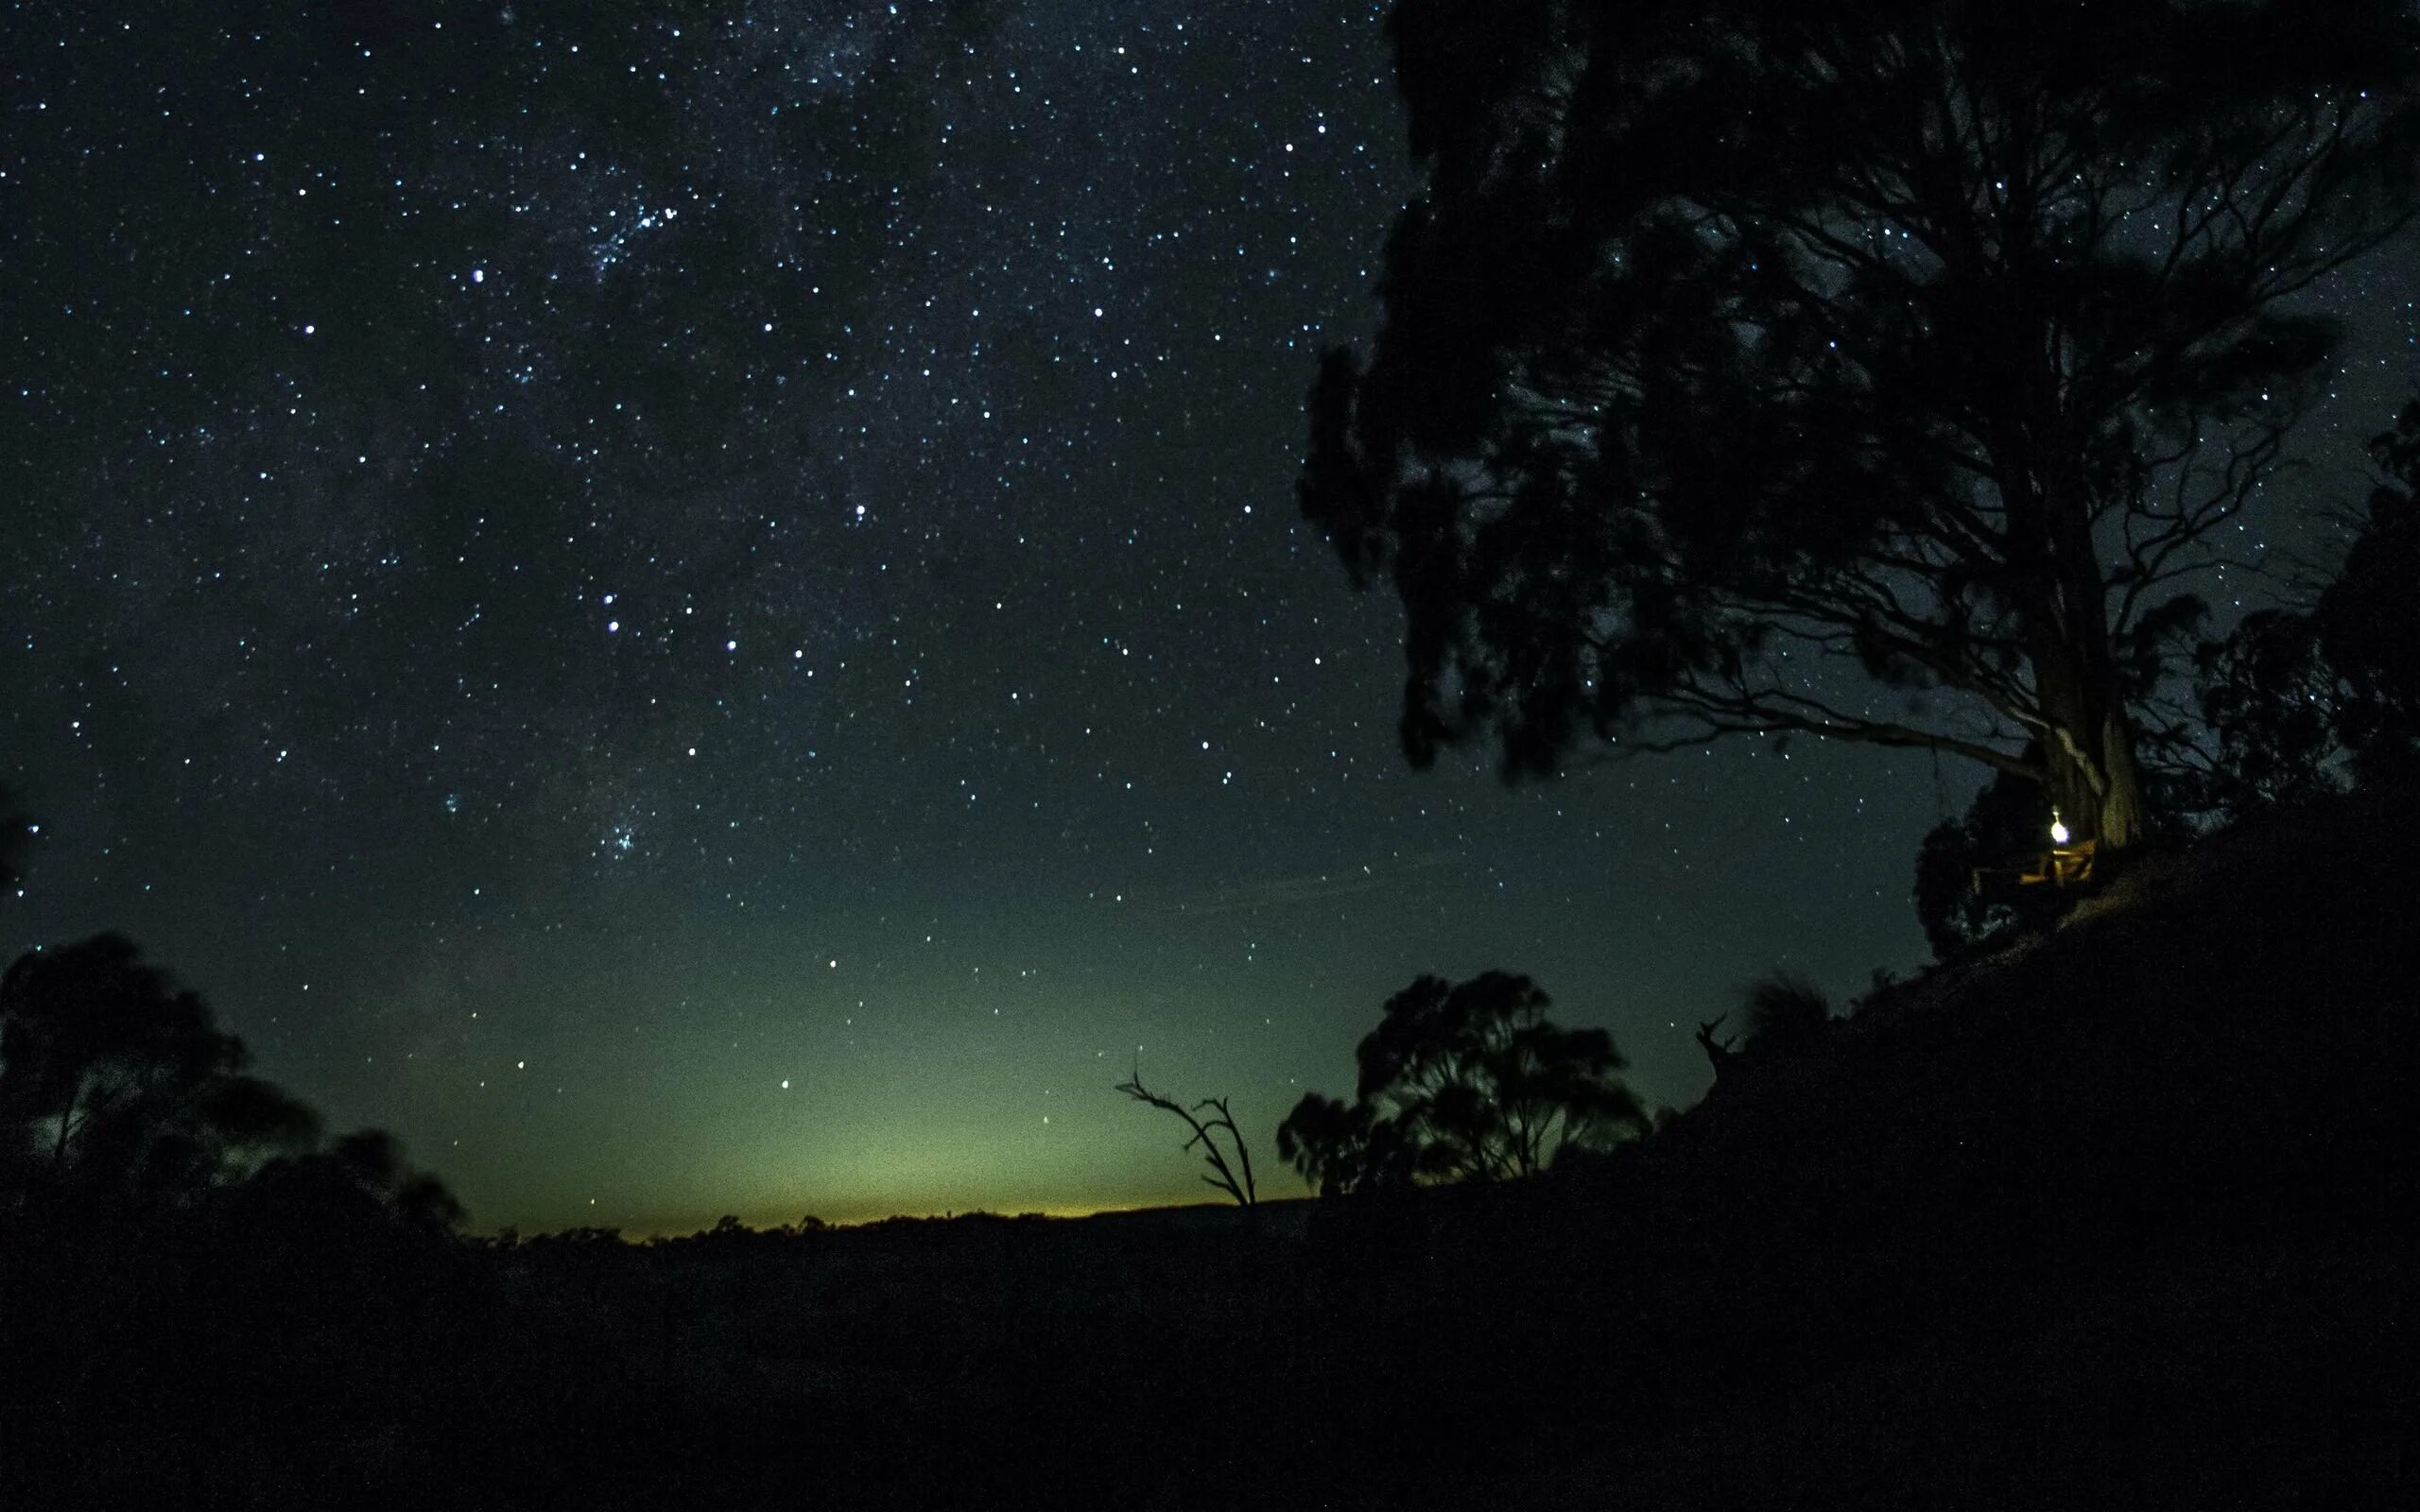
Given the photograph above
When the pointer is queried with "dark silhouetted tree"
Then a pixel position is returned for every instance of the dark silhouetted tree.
(1883, 372)
(116, 1082)
(2369, 618)
(362, 1178)
(1341, 1149)
(1467, 1082)
(113, 1077)
(2293, 703)
(2268, 706)
(373, 1161)
(1234, 1178)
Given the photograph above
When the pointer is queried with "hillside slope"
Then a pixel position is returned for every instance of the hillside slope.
(2108, 1215)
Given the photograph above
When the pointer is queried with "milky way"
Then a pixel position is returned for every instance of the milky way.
(699, 607)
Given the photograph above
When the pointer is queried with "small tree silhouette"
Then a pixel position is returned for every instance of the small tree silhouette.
(1463, 1082)
(1205, 1134)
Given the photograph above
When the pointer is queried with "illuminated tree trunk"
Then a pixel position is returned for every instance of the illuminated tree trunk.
(2089, 759)
(2089, 741)
(2088, 745)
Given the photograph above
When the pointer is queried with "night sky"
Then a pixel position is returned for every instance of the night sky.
(699, 607)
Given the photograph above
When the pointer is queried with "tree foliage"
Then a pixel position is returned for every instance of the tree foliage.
(2267, 700)
(1743, 363)
(2294, 703)
(2368, 620)
(1463, 1082)
(112, 1077)
(117, 1083)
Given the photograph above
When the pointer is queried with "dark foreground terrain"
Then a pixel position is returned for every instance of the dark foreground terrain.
(2105, 1217)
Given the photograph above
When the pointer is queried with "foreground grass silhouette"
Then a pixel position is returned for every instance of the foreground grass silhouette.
(2106, 1215)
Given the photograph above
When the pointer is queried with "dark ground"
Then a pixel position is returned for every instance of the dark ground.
(2106, 1217)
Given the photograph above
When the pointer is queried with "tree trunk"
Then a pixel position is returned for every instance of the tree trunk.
(2088, 753)
(2125, 809)
(2089, 746)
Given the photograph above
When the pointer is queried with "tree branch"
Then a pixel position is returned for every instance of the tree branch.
(1224, 1179)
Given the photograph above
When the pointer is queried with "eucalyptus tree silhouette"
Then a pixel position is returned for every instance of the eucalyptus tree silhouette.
(2369, 618)
(1463, 1082)
(2294, 702)
(1884, 372)
(2268, 729)
(114, 1078)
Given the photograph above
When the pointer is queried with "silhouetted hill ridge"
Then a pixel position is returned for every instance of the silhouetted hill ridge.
(2109, 1211)
(2226, 1023)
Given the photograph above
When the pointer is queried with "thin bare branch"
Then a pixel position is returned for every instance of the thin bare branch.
(1223, 1176)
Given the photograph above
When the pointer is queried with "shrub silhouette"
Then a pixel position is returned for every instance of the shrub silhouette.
(1785, 1012)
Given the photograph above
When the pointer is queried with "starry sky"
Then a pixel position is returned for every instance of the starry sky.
(697, 608)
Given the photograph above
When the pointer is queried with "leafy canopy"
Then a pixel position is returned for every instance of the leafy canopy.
(112, 1077)
(118, 1085)
(2295, 702)
(1463, 1082)
(1744, 355)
